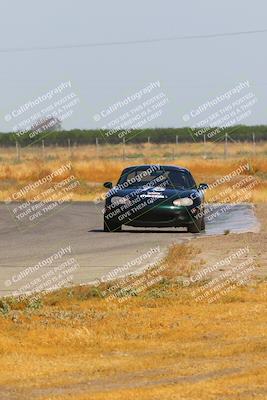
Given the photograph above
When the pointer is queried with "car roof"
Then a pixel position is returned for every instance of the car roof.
(172, 167)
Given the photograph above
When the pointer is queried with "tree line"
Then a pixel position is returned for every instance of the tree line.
(156, 135)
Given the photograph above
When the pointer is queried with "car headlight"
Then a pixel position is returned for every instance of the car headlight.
(185, 201)
(117, 200)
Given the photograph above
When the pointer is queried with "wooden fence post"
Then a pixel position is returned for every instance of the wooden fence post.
(18, 151)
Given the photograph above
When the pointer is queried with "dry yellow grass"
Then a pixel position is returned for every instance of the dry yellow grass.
(160, 344)
(92, 171)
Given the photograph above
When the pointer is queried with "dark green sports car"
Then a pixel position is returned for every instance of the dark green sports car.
(155, 196)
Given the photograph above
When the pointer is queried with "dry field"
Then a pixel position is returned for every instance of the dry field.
(159, 344)
(150, 348)
(93, 166)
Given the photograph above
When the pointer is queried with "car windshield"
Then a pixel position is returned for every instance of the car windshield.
(167, 178)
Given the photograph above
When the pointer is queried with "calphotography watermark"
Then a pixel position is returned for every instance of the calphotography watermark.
(228, 109)
(215, 281)
(134, 277)
(42, 114)
(49, 274)
(209, 270)
(134, 112)
(148, 188)
(39, 199)
(228, 191)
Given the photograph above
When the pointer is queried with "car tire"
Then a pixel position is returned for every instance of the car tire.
(109, 227)
(203, 225)
(195, 227)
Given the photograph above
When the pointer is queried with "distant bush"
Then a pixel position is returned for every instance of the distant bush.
(4, 307)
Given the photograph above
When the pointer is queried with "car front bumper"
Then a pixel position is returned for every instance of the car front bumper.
(161, 215)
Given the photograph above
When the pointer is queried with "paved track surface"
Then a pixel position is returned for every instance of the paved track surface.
(24, 249)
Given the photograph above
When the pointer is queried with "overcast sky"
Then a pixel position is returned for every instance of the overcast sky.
(190, 72)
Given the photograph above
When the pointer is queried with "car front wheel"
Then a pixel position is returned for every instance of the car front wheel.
(197, 226)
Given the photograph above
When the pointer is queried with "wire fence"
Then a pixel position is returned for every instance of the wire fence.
(124, 150)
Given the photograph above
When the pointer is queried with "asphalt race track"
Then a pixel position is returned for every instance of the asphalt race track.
(73, 234)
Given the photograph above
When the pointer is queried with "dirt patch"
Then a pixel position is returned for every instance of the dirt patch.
(219, 247)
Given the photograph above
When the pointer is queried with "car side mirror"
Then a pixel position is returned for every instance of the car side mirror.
(108, 185)
(203, 186)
